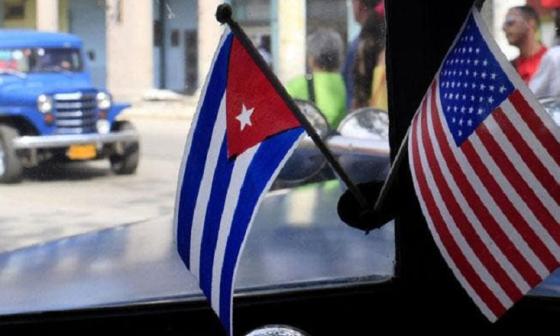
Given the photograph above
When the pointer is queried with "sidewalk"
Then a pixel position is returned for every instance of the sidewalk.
(182, 108)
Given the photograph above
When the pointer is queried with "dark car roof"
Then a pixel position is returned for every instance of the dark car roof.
(21, 38)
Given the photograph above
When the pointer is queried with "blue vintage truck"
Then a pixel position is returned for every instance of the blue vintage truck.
(50, 110)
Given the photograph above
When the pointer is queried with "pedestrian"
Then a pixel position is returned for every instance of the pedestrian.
(323, 84)
(521, 28)
(369, 66)
(554, 7)
(546, 81)
(264, 50)
(362, 9)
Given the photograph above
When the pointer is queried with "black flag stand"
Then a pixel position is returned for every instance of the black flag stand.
(388, 184)
(224, 15)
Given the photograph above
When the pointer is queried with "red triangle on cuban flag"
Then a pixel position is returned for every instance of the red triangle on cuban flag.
(254, 109)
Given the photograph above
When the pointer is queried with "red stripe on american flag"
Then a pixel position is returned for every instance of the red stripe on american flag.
(528, 114)
(518, 183)
(479, 208)
(508, 208)
(463, 266)
(533, 162)
(471, 236)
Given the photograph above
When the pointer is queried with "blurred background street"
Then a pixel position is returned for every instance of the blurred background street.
(155, 54)
(68, 199)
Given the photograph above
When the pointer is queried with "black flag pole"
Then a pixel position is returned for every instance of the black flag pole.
(224, 15)
(380, 203)
(388, 183)
(382, 211)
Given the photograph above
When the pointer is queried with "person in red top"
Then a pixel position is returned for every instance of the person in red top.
(521, 27)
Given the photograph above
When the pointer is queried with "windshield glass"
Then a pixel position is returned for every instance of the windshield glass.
(89, 170)
(90, 167)
(40, 60)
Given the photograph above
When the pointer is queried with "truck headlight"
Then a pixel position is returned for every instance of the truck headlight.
(103, 126)
(104, 101)
(45, 103)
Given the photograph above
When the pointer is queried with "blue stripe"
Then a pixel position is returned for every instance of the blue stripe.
(199, 149)
(214, 212)
(266, 160)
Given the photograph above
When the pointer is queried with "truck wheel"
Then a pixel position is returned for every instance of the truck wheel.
(10, 165)
(127, 162)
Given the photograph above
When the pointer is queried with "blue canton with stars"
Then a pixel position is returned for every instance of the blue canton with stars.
(471, 83)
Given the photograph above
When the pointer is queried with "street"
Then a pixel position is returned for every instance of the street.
(68, 199)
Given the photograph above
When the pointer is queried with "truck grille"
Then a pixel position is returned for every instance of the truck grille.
(76, 113)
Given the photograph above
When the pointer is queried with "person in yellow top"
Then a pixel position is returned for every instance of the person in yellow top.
(370, 87)
(379, 97)
(324, 84)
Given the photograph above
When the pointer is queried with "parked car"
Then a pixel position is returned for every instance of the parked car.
(50, 110)
(360, 143)
(552, 106)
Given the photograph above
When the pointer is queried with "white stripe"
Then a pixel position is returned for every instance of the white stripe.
(201, 205)
(545, 118)
(472, 293)
(511, 271)
(495, 211)
(529, 137)
(462, 244)
(238, 173)
(257, 205)
(224, 232)
(513, 76)
(521, 167)
(514, 197)
(188, 141)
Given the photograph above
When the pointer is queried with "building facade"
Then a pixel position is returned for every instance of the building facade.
(134, 46)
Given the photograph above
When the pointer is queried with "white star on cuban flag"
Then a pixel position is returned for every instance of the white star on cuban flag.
(245, 117)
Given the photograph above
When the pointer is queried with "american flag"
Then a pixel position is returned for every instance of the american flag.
(485, 159)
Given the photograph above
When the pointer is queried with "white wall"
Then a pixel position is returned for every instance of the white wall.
(129, 47)
(290, 38)
(47, 15)
(209, 33)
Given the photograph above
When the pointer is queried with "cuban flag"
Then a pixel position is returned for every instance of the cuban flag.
(485, 161)
(241, 135)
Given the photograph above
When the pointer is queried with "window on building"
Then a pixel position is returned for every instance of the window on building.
(14, 11)
(175, 38)
(158, 33)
